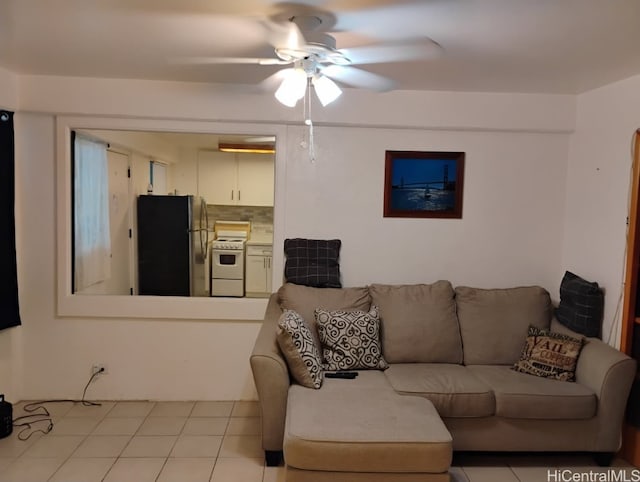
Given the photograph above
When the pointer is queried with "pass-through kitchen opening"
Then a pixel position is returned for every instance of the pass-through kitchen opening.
(172, 214)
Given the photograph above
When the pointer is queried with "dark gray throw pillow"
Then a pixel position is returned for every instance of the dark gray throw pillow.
(581, 305)
(313, 262)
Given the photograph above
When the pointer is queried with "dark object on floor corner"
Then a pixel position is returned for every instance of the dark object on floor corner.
(633, 404)
(6, 417)
(604, 459)
(635, 350)
(581, 305)
(273, 458)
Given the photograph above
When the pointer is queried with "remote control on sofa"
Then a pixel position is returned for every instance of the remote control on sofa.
(349, 375)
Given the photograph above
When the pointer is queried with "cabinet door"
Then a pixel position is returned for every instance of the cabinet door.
(217, 177)
(255, 179)
(255, 274)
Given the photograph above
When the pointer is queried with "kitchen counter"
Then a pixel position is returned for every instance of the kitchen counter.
(260, 239)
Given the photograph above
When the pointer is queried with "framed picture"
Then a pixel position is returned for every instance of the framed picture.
(423, 184)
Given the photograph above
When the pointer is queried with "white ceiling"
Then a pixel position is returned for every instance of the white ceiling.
(548, 46)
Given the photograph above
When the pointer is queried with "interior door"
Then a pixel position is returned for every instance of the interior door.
(119, 217)
(120, 280)
(630, 336)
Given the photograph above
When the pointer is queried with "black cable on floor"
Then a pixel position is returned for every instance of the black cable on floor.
(28, 421)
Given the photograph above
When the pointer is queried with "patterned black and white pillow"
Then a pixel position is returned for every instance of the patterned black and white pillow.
(351, 339)
(299, 348)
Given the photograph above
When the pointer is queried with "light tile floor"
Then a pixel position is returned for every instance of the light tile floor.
(207, 442)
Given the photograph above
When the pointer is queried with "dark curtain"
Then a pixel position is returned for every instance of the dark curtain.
(9, 312)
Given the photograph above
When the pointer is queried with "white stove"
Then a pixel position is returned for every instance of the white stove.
(228, 242)
(227, 259)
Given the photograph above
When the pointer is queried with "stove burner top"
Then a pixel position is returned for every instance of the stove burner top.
(228, 243)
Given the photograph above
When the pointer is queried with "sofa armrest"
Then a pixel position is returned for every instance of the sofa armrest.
(271, 377)
(609, 373)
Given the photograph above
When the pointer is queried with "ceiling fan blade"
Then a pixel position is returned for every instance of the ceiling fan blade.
(359, 78)
(284, 34)
(226, 60)
(399, 51)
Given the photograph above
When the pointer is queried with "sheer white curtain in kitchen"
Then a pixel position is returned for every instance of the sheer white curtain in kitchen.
(92, 238)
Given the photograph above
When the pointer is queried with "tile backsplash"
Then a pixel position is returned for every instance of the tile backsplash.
(260, 216)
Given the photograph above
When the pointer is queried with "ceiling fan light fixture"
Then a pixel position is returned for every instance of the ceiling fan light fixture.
(326, 89)
(292, 88)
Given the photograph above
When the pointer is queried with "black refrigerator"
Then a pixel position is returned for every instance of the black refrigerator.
(172, 243)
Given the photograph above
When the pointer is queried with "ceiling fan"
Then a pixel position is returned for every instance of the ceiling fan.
(314, 59)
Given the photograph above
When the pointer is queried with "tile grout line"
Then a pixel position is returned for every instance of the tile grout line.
(84, 436)
(92, 433)
(224, 434)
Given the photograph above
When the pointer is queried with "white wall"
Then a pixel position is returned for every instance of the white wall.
(510, 234)
(399, 109)
(8, 89)
(512, 209)
(597, 188)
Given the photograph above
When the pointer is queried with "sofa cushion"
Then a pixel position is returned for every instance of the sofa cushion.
(360, 426)
(419, 323)
(350, 339)
(519, 395)
(550, 355)
(305, 300)
(299, 348)
(494, 323)
(453, 389)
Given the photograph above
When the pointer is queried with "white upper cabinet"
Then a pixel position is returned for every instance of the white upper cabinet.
(255, 179)
(217, 177)
(236, 179)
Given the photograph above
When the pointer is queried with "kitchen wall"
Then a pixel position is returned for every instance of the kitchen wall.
(255, 214)
(510, 234)
(599, 168)
(184, 174)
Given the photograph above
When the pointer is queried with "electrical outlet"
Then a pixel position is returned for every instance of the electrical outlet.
(99, 368)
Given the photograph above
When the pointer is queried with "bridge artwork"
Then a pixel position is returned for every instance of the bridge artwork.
(423, 184)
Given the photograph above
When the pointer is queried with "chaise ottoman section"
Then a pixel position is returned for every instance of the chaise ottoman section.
(355, 427)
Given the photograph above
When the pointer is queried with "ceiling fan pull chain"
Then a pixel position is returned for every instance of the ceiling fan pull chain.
(312, 147)
(309, 122)
(306, 106)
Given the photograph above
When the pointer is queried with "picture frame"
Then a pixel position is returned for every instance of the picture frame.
(423, 184)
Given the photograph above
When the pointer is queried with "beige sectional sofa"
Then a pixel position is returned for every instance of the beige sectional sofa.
(449, 386)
